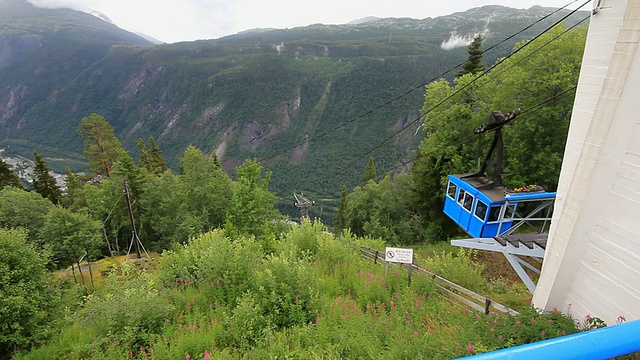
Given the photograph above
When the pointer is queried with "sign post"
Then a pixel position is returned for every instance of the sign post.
(398, 255)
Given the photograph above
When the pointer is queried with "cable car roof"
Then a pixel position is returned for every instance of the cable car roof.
(491, 189)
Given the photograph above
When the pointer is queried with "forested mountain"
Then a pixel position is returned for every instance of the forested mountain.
(316, 105)
(307, 102)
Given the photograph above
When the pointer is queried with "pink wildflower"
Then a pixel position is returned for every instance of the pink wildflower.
(206, 355)
(621, 319)
(500, 337)
(470, 349)
(393, 305)
(188, 357)
(415, 334)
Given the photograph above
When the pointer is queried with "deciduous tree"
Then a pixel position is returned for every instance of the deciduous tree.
(252, 206)
(71, 235)
(23, 209)
(534, 79)
(26, 297)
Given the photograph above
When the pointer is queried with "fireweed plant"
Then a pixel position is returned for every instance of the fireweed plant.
(310, 296)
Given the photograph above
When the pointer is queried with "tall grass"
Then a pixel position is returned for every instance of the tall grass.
(313, 298)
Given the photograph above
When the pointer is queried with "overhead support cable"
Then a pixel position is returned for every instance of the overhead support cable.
(464, 87)
(422, 85)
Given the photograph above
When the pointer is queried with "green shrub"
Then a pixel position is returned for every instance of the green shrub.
(286, 290)
(303, 241)
(130, 308)
(459, 268)
(213, 261)
(27, 298)
(247, 325)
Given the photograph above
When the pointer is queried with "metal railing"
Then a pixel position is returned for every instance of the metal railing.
(450, 289)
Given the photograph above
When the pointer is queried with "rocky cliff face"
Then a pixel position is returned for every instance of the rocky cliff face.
(302, 101)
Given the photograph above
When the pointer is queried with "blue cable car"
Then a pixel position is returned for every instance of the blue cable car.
(482, 207)
(479, 204)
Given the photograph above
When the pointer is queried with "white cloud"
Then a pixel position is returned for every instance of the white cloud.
(185, 20)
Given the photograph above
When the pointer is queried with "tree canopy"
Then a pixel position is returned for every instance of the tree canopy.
(538, 80)
(473, 65)
(43, 183)
(26, 297)
(101, 147)
(8, 177)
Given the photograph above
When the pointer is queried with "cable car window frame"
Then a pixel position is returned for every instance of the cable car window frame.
(470, 202)
(461, 195)
(496, 218)
(475, 211)
(454, 187)
(510, 211)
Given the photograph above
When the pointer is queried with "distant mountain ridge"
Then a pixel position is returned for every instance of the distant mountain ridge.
(292, 98)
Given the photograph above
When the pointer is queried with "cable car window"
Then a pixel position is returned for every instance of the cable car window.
(451, 190)
(481, 210)
(511, 211)
(494, 214)
(461, 195)
(468, 201)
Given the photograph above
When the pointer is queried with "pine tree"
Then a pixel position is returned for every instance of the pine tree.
(369, 172)
(340, 221)
(101, 147)
(151, 159)
(8, 177)
(144, 155)
(43, 183)
(473, 65)
(216, 160)
(157, 163)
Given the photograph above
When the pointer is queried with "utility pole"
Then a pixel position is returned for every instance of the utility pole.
(134, 235)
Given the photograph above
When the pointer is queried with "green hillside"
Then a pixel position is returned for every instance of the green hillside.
(259, 94)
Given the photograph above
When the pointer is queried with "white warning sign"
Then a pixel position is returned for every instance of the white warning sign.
(398, 255)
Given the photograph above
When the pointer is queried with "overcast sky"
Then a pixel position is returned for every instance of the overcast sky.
(186, 20)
